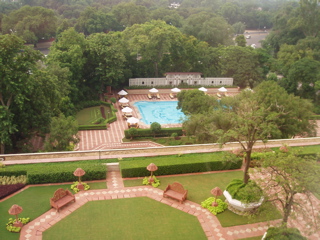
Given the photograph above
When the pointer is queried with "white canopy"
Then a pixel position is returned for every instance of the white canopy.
(123, 100)
(122, 92)
(153, 90)
(222, 89)
(203, 89)
(175, 90)
(132, 120)
(126, 110)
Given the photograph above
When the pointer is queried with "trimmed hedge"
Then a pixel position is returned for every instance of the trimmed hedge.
(189, 163)
(59, 172)
(93, 127)
(103, 125)
(165, 132)
(8, 172)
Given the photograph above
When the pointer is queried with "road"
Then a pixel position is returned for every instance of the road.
(256, 37)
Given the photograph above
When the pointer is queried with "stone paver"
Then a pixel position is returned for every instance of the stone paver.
(116, 190)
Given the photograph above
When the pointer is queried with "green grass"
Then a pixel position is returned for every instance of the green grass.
(90, 115)
(199, 187)
(136, 218)
(34, 201)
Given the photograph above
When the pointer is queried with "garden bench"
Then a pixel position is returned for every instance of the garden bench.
(176, 191)
(61, 198)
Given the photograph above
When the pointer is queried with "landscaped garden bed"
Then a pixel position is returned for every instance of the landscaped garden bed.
(199, 189)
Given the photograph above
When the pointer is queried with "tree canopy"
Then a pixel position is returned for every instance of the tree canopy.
(268, 112)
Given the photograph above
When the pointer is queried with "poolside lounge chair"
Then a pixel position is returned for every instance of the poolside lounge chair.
(158, 96)
(171, 96)
(218, 94)
(149, 96)
(226, 94)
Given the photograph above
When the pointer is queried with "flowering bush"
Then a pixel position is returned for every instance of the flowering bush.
(75, 188)
(12, 228)
(214, 210)
(155, 183)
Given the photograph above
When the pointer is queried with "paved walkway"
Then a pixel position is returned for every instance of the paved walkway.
(116, 190)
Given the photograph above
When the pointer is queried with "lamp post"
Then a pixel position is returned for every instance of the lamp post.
(216, 192)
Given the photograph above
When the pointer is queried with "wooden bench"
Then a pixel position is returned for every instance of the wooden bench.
(61, 198)
(176, 191)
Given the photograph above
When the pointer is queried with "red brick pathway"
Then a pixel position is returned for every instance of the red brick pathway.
(210, 224)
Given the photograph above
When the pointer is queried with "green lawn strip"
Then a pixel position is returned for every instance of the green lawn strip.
(88, 115)
(35, 201)
(135, 218)
(97, 185)
(199, 187)
(166, 141)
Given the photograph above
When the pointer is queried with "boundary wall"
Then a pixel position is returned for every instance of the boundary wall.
(152, 151)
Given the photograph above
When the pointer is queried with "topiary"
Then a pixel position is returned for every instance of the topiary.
(246, 193)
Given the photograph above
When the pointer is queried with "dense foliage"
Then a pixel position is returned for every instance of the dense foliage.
(104, 43)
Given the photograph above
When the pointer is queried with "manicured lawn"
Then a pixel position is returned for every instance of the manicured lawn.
(90, 115)
(34, 201)
(166, 141)
(199, 187)
(135, 218)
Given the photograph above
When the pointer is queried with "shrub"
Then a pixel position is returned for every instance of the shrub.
(58, 172)
(113, 99)
(283, 233)
(75, 188)
(10, 226)
(164, 132)
(155, 183)
(245, 193)
(155, 128)
(188, 163)
(9, 180)
(222, 206)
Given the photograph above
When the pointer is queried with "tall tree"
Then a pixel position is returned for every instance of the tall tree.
(128, 14)
(241, 63)
(92, 20)
(285, 175)
(208, 27)
(17, 64)
(105, 61)
(30, 23)
(151, 40)
(63, 134)
(267, 113)
(68, 52)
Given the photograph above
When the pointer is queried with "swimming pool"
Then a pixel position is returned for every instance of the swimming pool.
(163, 112)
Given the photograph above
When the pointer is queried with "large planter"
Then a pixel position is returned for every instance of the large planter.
(240, 206)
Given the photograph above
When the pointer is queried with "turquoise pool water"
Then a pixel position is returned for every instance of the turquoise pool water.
(163, 112)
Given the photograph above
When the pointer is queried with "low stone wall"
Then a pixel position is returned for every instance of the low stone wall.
(154, 151)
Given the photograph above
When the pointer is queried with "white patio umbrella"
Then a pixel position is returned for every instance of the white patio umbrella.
(132, 120)
(222, 89)
(122, 93)
(123, 100)
(203, 89)
(153, 90)
(176, 90)
(126, 110)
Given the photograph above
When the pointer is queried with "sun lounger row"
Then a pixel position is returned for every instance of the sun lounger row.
(153, 96)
